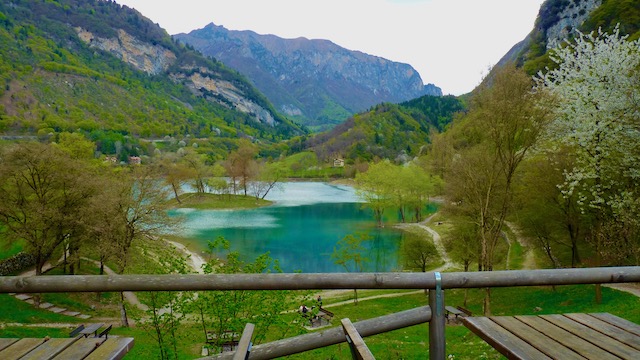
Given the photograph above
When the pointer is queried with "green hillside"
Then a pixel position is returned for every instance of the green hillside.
(387, 131)
(52, 81)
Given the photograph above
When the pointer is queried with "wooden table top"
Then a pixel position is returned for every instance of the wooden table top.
(568, 336)
(91, 328)
(67, 348)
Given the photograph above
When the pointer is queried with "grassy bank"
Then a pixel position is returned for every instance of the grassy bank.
(216, 201)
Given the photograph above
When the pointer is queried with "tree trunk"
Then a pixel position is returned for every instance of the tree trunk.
(123, 311)
(175, 193)
(487, 302)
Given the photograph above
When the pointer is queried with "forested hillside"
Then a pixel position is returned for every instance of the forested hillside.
(387, 131)
(106, 71)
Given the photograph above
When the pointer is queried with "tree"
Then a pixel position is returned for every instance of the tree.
(179, 172)
(76, 145)
(167, 309)
(418, 252)
(348, 253)
(463, 245)
(195, 168)
(269, 175)
(503, 124)
(226, 312)
(241, 165)
(43, 197)
(376, 188)
(547, 215)
(132, 207)
(596, 86)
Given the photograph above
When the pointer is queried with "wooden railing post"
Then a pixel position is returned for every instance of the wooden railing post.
(244, 345)
(437, 346)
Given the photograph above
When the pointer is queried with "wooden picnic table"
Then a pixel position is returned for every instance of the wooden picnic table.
(65, 349)
(569, 336)
(91, 329)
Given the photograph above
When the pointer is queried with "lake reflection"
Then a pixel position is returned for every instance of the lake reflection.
(300, 230)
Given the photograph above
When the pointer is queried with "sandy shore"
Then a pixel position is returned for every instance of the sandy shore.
(195, 260)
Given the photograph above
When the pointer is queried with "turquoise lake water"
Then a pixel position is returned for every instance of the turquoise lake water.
(300, 230)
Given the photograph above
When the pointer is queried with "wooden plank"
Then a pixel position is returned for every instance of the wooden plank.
(19, 348)
(81, 348)
(606, 328)
(5, 342)
(244, 345)
(502, 340)
(595, 337)
(540, 341)
(619, 322)
(358, 347)
(573, 342)
(112, 349)
(49, 349)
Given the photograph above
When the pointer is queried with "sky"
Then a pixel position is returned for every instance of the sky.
(451, 43)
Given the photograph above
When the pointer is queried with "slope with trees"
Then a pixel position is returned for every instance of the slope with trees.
(54, 80)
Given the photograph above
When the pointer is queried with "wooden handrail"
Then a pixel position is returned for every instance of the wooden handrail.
(195, 282)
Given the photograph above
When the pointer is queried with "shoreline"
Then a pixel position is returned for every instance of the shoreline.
(195, 260)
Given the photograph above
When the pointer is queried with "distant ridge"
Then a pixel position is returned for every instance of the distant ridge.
(315, 81)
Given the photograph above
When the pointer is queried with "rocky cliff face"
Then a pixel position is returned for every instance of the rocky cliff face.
(156, 59)
(315, 80)
(562, 21)
(558, 20)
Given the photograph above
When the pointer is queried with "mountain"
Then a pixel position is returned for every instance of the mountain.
(315, 81)
(95, 66)
(561, 19)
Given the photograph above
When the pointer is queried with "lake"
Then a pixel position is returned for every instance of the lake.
(300, 230)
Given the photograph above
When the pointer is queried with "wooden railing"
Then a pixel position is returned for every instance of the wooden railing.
(435, 282)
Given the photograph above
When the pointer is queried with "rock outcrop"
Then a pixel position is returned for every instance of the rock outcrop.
(156, 59)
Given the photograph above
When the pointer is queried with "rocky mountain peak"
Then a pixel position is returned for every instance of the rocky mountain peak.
(316, 81)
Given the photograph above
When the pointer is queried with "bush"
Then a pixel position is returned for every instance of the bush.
(16, 263)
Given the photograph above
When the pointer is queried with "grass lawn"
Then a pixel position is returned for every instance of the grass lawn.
(215, 201)
(408, 343)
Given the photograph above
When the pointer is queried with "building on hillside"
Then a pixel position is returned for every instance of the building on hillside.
(135, 160)
(338, 162)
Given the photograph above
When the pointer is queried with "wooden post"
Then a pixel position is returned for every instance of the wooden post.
(437, 348)
(244, 345)
(335, 335)
(359, 349)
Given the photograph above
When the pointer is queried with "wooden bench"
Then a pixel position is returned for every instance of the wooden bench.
(91, 329)
(450, 310)
(76, 331)
(466, 311)
(105, 332)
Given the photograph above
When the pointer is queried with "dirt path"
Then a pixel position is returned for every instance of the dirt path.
(529, 262)
(437, 241)
(373, 297)
(129, 296)
(631, 288)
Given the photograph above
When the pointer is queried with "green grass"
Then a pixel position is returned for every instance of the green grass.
(8, 249)
(407, 343)
(215, 201)
(13, 310)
